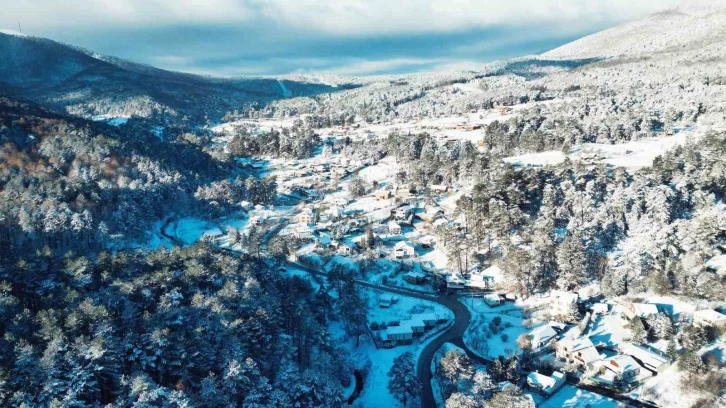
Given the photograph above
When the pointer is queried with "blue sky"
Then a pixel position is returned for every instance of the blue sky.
(348, 37)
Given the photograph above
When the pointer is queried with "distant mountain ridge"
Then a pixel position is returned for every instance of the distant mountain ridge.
(87, 84)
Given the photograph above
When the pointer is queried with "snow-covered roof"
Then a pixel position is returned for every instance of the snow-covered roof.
(645, 309)
(399, 330)
(544, 382)
(645, 356)
(417, 275)
(710, 315)
(413, 323)
(543, 333)
(621, 363)
(564, 297)
(213, 232)
(402, 245)
(424, 316)
(393, 224)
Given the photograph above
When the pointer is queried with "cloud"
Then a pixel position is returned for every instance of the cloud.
(354, 37)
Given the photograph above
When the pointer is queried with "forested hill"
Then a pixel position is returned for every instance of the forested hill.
(87, 84)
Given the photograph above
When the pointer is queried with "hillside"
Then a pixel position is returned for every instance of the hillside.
(689, 28)
(88, 84)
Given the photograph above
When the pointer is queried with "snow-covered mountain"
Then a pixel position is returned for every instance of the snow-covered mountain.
(697, 25)
(85, 83)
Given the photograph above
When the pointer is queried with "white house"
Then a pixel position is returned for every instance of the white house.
(641, 310)
(258, 220)
(709, 318)
(403, 250)
(599, 309)
(246, 205)
(542, 336)
(579, 351)
(383, 194)
(306, 216)
(213, 234)
(417, 325)
(346, 249)
(397, 334)
(561, 302)
(415, 278)
(429, 319)
(649, 359)
(624, 366)
(394, 228)
(493, 300)
(385, 301)
(403, 212)
(547, 385)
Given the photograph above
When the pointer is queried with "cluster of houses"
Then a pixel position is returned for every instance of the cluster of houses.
(621, 365)
(407, 329)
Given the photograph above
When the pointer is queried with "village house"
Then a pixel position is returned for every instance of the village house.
(579, 351)
(394, 228)
(544, 384)
(561, 302)
(427, 241)
(403, 250)
(394, 335)
(709, 318)
(303, 231)
(649, 359)
(385, 301)
(345, 248)
(245, 205)
(542, 337)
(258, 220)
(642, 310)
(439, 188)
(624, 366)
(403, 211)
(414, 278)
(306, 216)
(599, 309)
(428, 266)
(417, 325)
(429, 319)
(493, 300)
(480, 281)
(213, 234)
(383, 194)
(454, 281)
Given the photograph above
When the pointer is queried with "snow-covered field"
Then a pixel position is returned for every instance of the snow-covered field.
(478, 336)
(571, 397)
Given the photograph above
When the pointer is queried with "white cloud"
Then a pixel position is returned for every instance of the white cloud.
(340, 17)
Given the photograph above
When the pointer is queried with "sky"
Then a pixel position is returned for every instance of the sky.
(346, 37)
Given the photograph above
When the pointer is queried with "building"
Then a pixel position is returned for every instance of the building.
(397, 335)
(303, 231)
(641, 310)
(306, 216)
(346, 249)
(403, 211)
(561, 302)
(258, 220)
(709, 318)
(493, 300)
(649, 359)
(429, 319)
(246, 205)
(547, 385)
(542, 337)
(624, 366)
(403, 250)
(417, 325)
(383, 194)
(394, 228)
(428, 241)
(386, 301)
(599, 309)
(480, 281)
(213, 234)
(414, 278)
(579, 351)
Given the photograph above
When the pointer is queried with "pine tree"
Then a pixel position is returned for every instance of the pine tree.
(403, 383)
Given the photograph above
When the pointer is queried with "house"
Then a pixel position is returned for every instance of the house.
(561, 302)
(394, 228)
(709, 318)
(385, 301)
(427, 241)
(414, 278)
(306, 216)
(493, 300)
(417, 325)
(213, 234)
(429, 319)
(403, 211)
(641, 310)
(346, 249)
(454, 281)
(649, 359)
(542, 336)
(624, 366)
(383, 194)
(403, 250)
(397, 334)
(303, 231)
(428, 266)
(579, 351)
(439, 188)
(599, 309)
(246, 205)
(430, 213)
(340, 201)
(544, 384)
(258, 220)
(481, 281)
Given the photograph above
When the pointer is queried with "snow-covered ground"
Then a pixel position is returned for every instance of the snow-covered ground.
(571, 397)
(478, 336)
